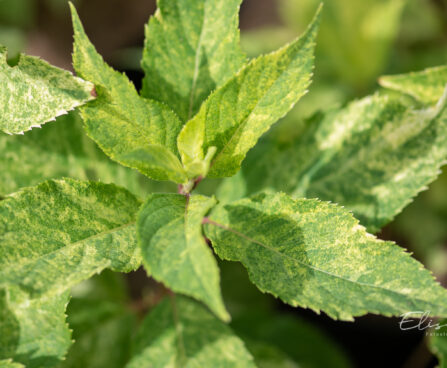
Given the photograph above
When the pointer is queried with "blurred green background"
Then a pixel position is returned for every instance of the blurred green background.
(359, 41)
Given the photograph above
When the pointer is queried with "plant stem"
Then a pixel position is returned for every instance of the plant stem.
(187, 188)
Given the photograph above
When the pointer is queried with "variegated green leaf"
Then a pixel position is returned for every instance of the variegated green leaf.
(315, 254)
(61, 150)
(426, 86)
(192, 47)
(33, 332)
(181, 333)
(388, 154)
(121, 121)
(34, 92)
(234, 117)
(373, 157)
(174, 251)
(61, 232)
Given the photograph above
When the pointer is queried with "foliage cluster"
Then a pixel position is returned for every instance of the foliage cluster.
(299, 215)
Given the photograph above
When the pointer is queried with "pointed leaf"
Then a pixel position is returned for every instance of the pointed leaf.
(191, 47)
(373, 157)
(61, 232)
(315, 254)
(121, 121)
(35, 92)
(182, 333)
(234, 117)
(426, 86)
(33, 332)
(174, 251)
(356, 37)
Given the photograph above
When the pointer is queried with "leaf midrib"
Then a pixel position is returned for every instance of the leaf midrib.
(249, 114)
(193, 264)
(227, 228)
(183, 217)
(68, 246)
(196, 65)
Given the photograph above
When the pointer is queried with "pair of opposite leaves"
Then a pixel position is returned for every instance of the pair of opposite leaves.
(148, 135)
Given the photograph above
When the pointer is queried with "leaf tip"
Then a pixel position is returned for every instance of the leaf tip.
(72, 9)
(317, 17)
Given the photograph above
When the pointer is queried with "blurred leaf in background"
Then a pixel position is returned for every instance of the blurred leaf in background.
(16, 17)
(355, 36)
(272, 334)
(18, 13)
(352, 48)
(358, 41)
(103, 323)
(422, 37)
(438, 342)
